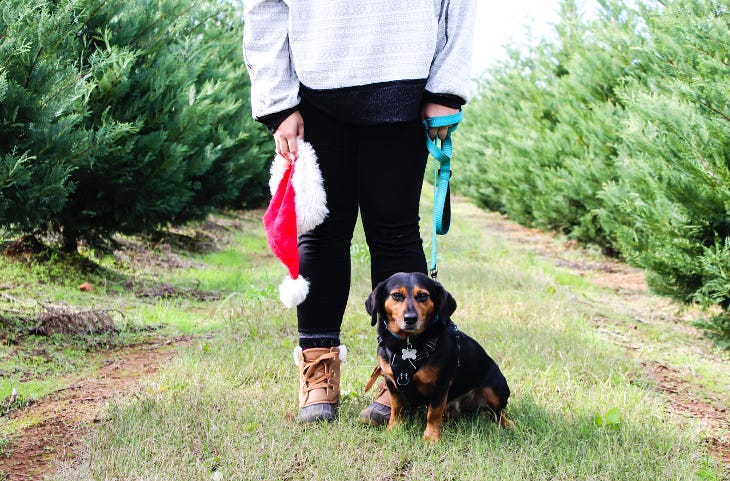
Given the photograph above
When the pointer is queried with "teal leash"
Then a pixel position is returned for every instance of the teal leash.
(441, 177)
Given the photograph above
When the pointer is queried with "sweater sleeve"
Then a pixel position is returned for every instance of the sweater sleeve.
(274, 83)
(450, 73)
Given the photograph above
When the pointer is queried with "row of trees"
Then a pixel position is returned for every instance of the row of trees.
(616, 132)
(123, 116)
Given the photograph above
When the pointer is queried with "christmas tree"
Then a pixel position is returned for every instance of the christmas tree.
(123, 116)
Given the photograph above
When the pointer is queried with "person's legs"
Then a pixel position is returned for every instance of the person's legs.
(324, 260)
(390, 173)
(390, 176)
(324, 253)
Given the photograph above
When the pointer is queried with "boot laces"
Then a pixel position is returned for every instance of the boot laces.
(316, 373)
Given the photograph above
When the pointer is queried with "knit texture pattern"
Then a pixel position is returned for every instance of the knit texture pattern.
(341, 44)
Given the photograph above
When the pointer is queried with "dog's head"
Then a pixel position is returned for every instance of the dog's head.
(409, 302)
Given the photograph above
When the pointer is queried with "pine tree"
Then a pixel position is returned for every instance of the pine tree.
(670, 211)
(123, 116)
(595, 60)
(42, 94)
(169, 71)
(548, 122)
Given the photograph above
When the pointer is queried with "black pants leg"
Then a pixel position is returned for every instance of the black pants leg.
(380, 169)
(391, 164)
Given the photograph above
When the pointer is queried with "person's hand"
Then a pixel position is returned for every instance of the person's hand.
(286, 135)
(435, 110)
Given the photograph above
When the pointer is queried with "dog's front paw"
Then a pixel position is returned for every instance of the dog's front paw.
(506, 422)
(432, 435)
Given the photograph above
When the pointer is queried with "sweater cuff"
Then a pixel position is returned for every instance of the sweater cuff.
(272, 121)
(447, 100)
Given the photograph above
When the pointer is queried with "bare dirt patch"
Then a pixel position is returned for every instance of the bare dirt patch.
(686, 401)
(60, 420)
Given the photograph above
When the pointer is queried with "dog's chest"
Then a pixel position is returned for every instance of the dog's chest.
(412, 368)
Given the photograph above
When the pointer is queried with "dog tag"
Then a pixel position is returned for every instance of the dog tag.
(408, 354)
(403, 379)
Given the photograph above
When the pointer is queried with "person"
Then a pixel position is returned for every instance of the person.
(355, 79)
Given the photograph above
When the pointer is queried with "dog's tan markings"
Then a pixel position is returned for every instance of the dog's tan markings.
(397, 403)
(492, 399)
(424, 304)
(434, 418)
(386, 369)
(494, 403)
(426, 378)
(395, 306)
(505, 422)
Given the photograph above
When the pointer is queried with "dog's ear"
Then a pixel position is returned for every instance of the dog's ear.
(372, 304)
(446, 303)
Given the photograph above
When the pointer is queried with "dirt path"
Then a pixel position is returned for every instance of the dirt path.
(629, 296)
(67, 415)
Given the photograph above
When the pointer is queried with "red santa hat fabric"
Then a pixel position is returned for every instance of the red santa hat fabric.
(298, 205)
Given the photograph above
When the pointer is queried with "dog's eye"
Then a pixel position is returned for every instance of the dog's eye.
(422, 296)
(397, 296)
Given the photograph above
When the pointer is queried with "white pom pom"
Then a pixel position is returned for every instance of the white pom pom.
(297, 360)
(309, 196)
(343, 353)
(293, 291)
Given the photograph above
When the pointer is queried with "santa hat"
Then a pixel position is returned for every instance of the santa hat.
(298, 205)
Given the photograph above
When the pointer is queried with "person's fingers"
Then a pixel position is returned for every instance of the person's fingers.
(440, 132)
(286, 135)
(292, 147)
(282, 146)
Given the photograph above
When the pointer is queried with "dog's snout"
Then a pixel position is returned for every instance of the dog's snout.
(410, 318)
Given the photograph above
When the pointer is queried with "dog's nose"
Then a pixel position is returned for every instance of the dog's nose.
(410, 318)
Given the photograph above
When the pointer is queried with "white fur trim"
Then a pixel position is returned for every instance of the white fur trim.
(298, 350)
(293, 291)
(309, 197)
(278, 167)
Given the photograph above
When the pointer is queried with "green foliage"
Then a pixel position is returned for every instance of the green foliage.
(669, 211)
(611, 420)
(42, 95)
(546, 143)
(615, 132)
(136, 115)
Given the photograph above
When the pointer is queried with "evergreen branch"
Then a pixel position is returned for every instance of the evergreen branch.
(64, 87)
(713, 109)
(154, 24)
(91, 146)
(93, 14)
(32, 67)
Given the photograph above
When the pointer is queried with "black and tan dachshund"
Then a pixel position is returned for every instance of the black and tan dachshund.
(426, 360)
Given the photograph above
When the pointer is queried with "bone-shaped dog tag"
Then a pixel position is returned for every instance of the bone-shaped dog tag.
(408, 354)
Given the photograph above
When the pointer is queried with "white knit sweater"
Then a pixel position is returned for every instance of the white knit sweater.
(370, 52)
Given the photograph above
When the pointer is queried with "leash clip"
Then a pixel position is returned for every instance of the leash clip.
(434, 273)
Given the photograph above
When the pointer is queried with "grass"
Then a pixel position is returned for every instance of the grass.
(226, 404)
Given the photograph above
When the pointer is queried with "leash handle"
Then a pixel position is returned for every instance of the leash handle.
(442, 175)
(444, 153)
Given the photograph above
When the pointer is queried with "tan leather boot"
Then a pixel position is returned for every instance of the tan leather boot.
(319, 383)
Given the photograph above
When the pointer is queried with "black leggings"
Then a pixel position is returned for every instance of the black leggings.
(380, 169)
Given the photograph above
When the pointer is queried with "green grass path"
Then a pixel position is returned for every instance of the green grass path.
(580, 359)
